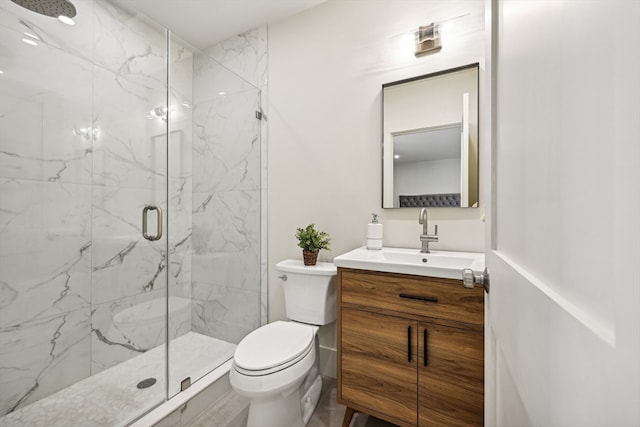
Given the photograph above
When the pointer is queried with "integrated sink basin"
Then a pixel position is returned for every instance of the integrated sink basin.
(445, 264)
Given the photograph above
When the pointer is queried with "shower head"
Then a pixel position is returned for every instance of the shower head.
(54, 8)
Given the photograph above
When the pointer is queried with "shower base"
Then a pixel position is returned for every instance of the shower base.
(111, 398)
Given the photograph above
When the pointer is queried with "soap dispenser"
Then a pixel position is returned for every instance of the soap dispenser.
(374, 234)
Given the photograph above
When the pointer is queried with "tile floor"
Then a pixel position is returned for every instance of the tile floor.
(232, 411)
(330, 414)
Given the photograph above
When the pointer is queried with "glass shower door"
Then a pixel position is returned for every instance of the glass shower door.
(215, 210)
(129, 210)
(82, 153)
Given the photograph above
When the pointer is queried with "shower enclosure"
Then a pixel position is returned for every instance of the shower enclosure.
(130, 215)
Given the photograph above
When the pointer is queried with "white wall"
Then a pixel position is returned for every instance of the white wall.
(326, 69)
(430, 177)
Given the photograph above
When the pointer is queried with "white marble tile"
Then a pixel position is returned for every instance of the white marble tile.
(60, 78)
(180, 268)
(43, 356)
(129, 149)
(214, 268)
(58, 208)
(44, 249)
(75, 40)
(226, 222)
(125, 328)
(123, 262)
(239, 54)
(239, 270)
(180, 191)
(181, 71)
(104, 33)
(125, 268)
(212, 80)
(83, 403)
(127, 45)
(180, 144)
(226, 143)
(52, 65)
(225, 313)
(179, 313)
(228, 153)
(38, 114)
(263, 56)
(40, 299)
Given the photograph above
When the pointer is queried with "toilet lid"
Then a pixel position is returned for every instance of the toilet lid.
(273, 345)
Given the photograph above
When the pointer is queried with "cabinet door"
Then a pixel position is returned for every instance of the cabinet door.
(379, 360)
(450, 376)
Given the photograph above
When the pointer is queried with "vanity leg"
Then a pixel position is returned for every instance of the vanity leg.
(348, 415)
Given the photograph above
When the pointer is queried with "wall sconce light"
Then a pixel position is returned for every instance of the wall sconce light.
(428, 39)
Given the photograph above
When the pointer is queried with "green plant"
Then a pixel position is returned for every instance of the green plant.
(312, 240)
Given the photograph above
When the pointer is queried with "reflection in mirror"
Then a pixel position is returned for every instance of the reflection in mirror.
(427, 161)
(430, 146)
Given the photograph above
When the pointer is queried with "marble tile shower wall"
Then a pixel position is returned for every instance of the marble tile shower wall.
(227, 174)
(247, 55)
(78, 161)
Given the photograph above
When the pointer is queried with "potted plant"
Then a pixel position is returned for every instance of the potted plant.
(311, 241)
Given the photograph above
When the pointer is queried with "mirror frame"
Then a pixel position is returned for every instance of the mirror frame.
(474, 166)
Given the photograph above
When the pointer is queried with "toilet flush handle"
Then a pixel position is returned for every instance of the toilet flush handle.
(283, 277)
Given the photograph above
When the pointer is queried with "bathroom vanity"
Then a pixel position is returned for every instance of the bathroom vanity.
(410, 346)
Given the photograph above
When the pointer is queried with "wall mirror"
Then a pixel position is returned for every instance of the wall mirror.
(430, 140)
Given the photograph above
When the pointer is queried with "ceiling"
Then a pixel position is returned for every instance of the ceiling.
(203, 23)
(430, 144)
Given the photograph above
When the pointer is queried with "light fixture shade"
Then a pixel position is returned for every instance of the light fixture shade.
(428, 39)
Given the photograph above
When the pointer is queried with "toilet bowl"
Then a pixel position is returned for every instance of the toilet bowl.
(277, 365)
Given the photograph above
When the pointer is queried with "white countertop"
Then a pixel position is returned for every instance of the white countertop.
(445, 264)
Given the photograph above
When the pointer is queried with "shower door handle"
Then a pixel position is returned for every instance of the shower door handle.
(158, 234)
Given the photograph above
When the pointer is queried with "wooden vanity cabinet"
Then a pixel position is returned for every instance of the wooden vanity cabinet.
(410, 348)
(377, 371)
(451, 385)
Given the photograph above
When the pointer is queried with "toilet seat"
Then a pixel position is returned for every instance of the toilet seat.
(273, 348)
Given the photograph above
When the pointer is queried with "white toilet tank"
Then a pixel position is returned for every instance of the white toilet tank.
(309, 291)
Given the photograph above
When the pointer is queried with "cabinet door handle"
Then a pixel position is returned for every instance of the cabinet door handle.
(419, 297)
(425, 349)
(409, 343)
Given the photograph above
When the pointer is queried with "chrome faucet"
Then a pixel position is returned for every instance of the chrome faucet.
(425, 237)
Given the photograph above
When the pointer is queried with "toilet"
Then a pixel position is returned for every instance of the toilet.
(277, 365)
